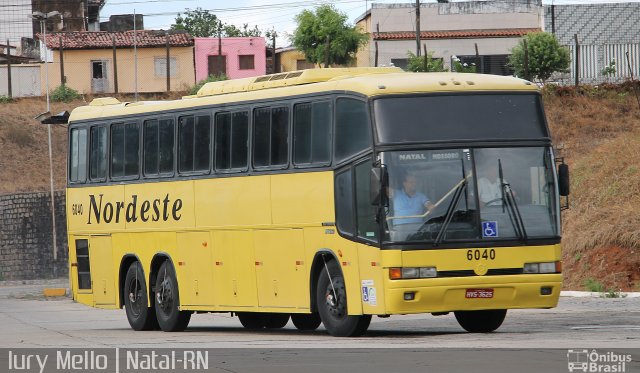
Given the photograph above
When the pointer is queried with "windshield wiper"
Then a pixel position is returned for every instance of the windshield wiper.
(509, 200)
(450, 210)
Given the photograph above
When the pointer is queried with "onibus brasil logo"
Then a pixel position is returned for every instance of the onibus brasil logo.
(593, 361)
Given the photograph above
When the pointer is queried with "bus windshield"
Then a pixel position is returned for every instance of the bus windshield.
(458, 195)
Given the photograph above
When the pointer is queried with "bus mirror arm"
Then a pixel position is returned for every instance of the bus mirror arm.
(379, 183)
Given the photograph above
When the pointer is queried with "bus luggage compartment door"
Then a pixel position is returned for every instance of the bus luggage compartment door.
(102, 271)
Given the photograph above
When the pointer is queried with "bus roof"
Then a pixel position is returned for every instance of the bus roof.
(370, 82)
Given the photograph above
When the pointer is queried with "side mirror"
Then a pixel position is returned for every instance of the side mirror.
(563, 179)
(379, 181)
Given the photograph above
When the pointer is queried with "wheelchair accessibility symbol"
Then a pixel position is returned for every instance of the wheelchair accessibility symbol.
(489, 229)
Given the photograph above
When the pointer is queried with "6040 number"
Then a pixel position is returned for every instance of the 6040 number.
(481, 254)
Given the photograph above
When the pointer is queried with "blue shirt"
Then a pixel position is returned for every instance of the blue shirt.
(404, 205)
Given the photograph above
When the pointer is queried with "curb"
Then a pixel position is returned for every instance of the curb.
(589, 294)
(54, 292)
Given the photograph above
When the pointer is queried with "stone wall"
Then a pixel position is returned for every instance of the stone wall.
(26, 248)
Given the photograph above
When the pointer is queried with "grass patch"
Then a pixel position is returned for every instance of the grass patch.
(21, 136)
(594, 286)
(5, 99)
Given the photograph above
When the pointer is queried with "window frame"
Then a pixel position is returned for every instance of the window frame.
(289, 139)
(142, 148)
(162, 72)
(214, 167)
(107, 150)
(369, 116)
(253, 62)
(331, 134)
(195, 115)
(70, 150)
(140, 145)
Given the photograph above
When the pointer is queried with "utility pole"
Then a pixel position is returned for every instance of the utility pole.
(220, 46)
(376, 55)
(115, 64)
(418, 28)
(62, 78)
(9, 90)
(526, 61)
(168, 63)
(273, 51)
(577, 64)
(135, 55)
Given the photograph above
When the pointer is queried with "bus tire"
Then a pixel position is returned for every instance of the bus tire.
(332, 307)
(306, 321)
(252, 320)
(136, 298)
(276, 320)
(167, 301)
(484, 321)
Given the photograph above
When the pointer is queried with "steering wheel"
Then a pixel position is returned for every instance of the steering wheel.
(493, 202)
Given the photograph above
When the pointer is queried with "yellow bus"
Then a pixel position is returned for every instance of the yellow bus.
(322, 196)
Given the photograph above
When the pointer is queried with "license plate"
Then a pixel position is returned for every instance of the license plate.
(479, 293)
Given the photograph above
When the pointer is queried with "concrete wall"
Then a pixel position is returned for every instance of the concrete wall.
(25, 80)
(26, 248)
(77, 65)
(231, 48)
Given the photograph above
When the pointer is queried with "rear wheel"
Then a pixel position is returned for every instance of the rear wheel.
(331, 299)
(167, 300)
(484, 321)
(306, 322)
(139, 315)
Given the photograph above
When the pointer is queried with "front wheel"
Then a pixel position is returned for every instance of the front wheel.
(140, 316)
(167, 300)
(331, 299)
(484, 321)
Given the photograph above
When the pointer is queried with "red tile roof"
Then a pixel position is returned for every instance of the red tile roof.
(124, 39)
(455, 34)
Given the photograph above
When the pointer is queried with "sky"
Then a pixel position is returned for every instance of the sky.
(266, 14)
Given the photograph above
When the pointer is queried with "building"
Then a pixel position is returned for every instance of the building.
(449, 30)
(605, 32)
(291, 59)
(88, 61)
(17, 25)
(241, 57)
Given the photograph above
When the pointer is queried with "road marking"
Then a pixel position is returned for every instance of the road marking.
(605, 327)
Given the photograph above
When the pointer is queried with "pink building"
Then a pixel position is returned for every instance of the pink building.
(241, 57)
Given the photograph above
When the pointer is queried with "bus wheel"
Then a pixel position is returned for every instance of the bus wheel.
(139, 315)
(306, 322)
(480, 321)
(276, 320)
(331, 299)
(167, 300)
(252, 320)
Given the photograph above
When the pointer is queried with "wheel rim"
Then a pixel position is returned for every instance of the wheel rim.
(336, 303)
(165, 296)
(136, 297)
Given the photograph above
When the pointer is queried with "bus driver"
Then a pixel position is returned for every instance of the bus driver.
(407, 201)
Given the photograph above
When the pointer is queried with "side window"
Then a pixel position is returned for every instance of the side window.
(78, 155)
(344, 203)
(312, 133)
(98, 154)
(125, 149)
(194, 135)
(158, 146)
(270, 136)
(353, 132)
(231, 137)
(365, 211)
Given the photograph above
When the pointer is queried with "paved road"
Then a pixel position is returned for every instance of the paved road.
(27, 320)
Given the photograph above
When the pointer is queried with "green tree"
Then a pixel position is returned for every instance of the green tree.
(202, 23)
(326, 23)
(546, 56)
(424, 63)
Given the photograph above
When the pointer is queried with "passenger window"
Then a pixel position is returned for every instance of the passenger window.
(270, 136)
(194, 134)
(344, 203)
(312, 133)
(78, 156)
(125, 149)
(98, 154)
(365, 211)
(353, 132)
(158, 146)
(231, 136)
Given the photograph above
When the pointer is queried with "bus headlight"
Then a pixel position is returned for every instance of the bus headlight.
(546, 267)
(399, 273)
